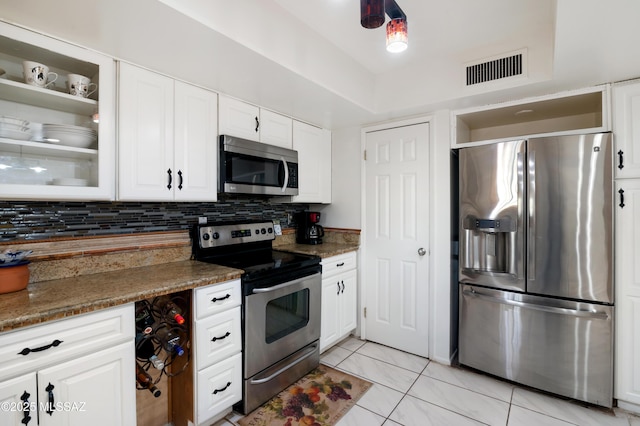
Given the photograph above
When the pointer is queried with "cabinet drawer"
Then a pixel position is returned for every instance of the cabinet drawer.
(340, 263)
(34, 347)
(219, 387)
(217, 337)
(217, 298)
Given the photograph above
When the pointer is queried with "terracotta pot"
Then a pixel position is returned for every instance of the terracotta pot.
(14, 278)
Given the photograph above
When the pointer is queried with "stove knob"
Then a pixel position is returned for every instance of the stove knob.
(270, 230)
(205, 237)
(216, 235)
(257, 231)
(263, 231)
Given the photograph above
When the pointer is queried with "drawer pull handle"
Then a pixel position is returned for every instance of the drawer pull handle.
(340, 264)
(25, 406)
(27, 351)
(223, 389)
(216, 299)
(227, 334)
(50, 406)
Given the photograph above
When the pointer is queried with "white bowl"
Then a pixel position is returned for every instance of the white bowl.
(15, 134)
(76, 140)
(13, 120)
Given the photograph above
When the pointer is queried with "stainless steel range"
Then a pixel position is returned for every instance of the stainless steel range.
(281, 305)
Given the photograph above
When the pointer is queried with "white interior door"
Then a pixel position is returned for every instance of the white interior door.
(396, 259)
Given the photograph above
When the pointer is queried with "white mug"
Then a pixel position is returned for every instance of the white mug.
(37, 74)
(79, 85)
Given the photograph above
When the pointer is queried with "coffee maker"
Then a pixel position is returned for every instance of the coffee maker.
(309, 232)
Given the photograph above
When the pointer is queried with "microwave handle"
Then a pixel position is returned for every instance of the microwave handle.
(286, 174)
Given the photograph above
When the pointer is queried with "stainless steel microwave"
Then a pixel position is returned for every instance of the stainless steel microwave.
(248, 167)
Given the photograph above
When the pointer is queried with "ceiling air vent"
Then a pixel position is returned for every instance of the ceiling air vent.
(496, 69)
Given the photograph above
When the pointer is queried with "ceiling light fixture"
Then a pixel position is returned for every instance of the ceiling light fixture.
(371, 13)
(372, 16)
(397, 38)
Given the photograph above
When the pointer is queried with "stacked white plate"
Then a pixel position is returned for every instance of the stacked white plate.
(14, 128)
(66, 134)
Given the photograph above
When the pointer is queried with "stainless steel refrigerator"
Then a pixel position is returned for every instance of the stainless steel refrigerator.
(536, 263)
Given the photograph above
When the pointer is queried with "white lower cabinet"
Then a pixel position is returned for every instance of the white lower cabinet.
(339, 299)
(19, 398)
(95, 389)
(219, 387)
(66, 376)
(627, 299)
(217, 351)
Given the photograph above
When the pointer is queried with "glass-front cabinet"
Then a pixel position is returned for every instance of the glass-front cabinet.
(57, 119)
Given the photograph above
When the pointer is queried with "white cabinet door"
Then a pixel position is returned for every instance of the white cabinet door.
(18, 397)
(627, 272)
(330, 313)
(276, 129)
(145, 155)
(339, 298)
(348, 302)
(196, 134)
(97, 389)
(626, 127)
(237, 118)
(314, 163)
(30, 167)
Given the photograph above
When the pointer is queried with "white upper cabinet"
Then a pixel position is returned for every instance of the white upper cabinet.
(626, 128)
(50, 146)
(314, 163)
(244, 120)
(276, 129)
(196, 135)
(237, 118)
(167, 139)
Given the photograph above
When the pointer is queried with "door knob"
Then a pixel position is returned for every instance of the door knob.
(422, 251)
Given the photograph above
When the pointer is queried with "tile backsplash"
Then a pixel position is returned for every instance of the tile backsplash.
(32, 220)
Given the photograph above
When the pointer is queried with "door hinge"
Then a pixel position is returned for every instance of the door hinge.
(364, 153)
(365, 312)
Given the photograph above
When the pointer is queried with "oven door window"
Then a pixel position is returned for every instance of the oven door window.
(245, 169)
(287, 314)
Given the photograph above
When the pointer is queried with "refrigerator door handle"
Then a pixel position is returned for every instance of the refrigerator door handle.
(516, 249)
(531, 229)
(544, 308)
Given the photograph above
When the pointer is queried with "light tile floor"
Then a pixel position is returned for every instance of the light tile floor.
(413, 391)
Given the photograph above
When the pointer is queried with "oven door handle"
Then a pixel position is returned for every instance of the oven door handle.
(286, 174)
(308, 352)
(276, 287)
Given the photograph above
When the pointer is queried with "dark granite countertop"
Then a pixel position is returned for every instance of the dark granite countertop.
(54, 299)
(323, 250)
(48, 300)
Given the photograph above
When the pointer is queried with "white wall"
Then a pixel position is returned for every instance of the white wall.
(344, 210)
